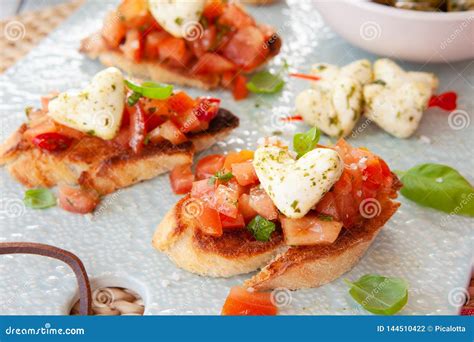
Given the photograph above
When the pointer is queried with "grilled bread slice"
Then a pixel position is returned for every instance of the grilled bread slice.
(238, 252)
(234, 253)
(101, 165)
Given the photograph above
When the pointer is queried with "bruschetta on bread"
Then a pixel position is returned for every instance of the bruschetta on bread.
(303, 219)
(112, 134)
(203, 44)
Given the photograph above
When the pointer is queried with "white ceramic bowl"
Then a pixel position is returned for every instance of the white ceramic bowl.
(404, 34)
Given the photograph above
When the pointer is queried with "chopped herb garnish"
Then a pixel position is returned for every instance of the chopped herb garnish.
(261, 228)
(91, 132)
(265, 82)
(28, 111)
(381, 82)
(221, 176)
(179, 21)
(39, 198)
(133, 99)
(325, 217)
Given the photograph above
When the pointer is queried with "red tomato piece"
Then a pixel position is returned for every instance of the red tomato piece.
(114, 30)
(263, 204)
(181, 102)
(246, 48)
(181, 179)
(244, 173)
(174, 49)
(309, 230)
(76, 200)
(240, 90)
(187, 122)
(232, 223)
(213, 9)
(226, 201)
(52, 141)
(170, 132)
(204, 191)
(245, 208)
(235, 16)
(134, 13)
(137, 127)
(205, 43)
(242, 302)
(210, 222)
(133, 46)
(209, 165)
(237, 157)
(207, 108)
(212, 63)
(152, 43)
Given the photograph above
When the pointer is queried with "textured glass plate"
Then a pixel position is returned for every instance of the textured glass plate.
(429, 249)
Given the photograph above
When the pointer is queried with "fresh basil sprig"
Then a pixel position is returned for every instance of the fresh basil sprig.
(261, 228)
(265, 82)
(151, 90)
(39, 198)
(378, 294)
(439, 187)
(305, 142)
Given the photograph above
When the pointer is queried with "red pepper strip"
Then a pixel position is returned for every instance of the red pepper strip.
(52, 141)
(137, 127)
(446, 101)
(305, 76)
(292, 118)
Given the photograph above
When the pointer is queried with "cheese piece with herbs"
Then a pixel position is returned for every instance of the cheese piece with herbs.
(396, 100)
(97, 109)
(178, 17)
(295, 186)
(335, 102)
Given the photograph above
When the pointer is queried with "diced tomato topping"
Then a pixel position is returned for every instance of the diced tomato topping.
(226, 201)
(152, 121)
(244, 173)
(137, 127)
(155, 107)
(309, 230)
(263, 204)
(46, 99)
(209, 165)
(213, 9)
(240, 90)
(76, 200)
(44, 124)
(181, 179)
(204, 190)
(246, 48)
(152, 43)
(247, 211)
(236, 17)
(212, 63)
(133, 46)
(174, 49)
(242, 302)
(209, 222)
(205, 43)
(181, 102)
(233, 184)
(170, 132)
(135, 14)
(113, 30)
(122, 139)
(207, 108)
(237, 157)
(232, 223)
(365, 176)
(186, 122)
(52, 141)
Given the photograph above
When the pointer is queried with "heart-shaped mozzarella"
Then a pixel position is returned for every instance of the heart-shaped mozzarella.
(295, 186)
(397, 99)
(334, 104)
(179, 17)
(97, 109)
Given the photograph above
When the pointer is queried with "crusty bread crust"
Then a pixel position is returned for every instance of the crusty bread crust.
(102, 166)
(258, 2)
(313, 266)
(149, 70)
(292, 268)
(234, 253)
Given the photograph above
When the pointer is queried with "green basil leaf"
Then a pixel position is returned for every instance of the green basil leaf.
(305, 142)
(379, 295)
(261, 228)
(151, 90)
(265, 82)
(39, 198)
(440, 187)
(222, 176)
(133, 98)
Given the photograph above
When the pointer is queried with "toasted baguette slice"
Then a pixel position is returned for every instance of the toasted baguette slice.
(237, 252)
(100, 165)
(258, 2)
(234, 253)
(94, 47)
